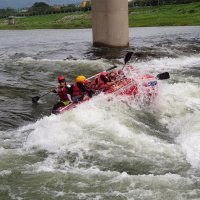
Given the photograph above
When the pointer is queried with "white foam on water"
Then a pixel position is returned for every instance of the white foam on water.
(67, 61)
(178, 104)
(94, 124)
(163, 64)
(181, 113)
(189, 138)
(2, 151)
(5, 172)
(6, 151)
(103, 123)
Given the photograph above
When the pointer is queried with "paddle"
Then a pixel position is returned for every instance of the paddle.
(36, 98)
(113, 67)
(127, 58)
(163, 76)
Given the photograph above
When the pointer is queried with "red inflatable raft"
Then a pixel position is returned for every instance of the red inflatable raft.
(145, 86)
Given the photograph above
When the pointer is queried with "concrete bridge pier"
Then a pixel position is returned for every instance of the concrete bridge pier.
(110, 23)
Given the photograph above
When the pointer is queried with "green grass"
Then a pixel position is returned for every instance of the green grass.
(167, 15)
(54, 21)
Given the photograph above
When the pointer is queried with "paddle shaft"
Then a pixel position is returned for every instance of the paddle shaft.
(126, 59)
(45, 94)
(113, 67)
(36, 98)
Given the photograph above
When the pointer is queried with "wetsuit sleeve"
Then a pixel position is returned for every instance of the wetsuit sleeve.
(70, 89)
(69, 92)
(104, 79)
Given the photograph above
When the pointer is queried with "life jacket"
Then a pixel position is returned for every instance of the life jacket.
(76, 90)
(62, 93)
(100, 84)
(92, 85)
(88, 84)
(113, 76)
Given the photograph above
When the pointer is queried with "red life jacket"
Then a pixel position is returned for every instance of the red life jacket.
(62, 93)
(100, 84)
(92, 85)
(76, 90)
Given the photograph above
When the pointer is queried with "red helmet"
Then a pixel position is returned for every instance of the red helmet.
(61, 78)
(104, 73)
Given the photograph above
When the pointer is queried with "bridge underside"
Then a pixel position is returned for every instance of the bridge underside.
(110, 23)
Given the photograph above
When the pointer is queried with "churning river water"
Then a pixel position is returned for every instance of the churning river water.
(118, 149)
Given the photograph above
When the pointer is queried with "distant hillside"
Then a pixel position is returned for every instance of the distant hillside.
(29, 3)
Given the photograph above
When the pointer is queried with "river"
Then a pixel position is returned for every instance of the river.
(103, 149)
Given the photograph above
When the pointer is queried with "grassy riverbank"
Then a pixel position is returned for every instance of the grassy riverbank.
(167, 15)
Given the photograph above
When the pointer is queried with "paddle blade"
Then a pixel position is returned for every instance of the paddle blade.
(163, 76)
(35, 99)
(128, 57)
(113, 67)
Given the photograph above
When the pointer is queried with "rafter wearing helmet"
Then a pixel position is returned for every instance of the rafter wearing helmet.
(79, 89)
(63, 91)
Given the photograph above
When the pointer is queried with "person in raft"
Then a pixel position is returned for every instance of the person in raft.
(63, 91)
(79, 89)
(103, 82)
(113, 76)
(90, 85)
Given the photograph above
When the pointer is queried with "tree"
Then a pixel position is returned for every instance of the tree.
(6, 12)
(40, 7)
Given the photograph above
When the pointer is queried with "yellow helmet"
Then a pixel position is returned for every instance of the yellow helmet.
(80, 78)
